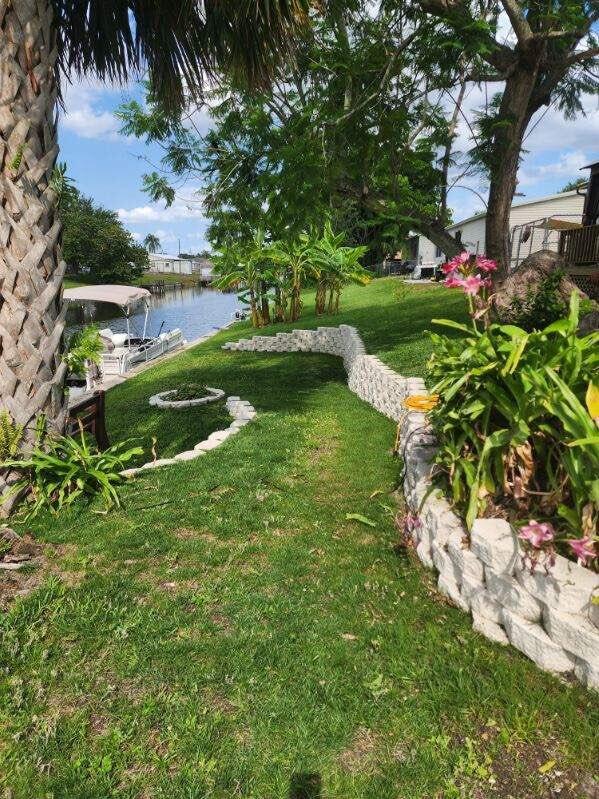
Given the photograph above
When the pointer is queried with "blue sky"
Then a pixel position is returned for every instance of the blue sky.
(108, 166)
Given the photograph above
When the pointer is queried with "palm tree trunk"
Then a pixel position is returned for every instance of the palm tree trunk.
(31, 265)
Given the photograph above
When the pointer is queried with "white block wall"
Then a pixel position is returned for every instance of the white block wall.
(548, 615)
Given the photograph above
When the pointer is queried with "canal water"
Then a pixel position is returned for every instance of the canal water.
(197, 311)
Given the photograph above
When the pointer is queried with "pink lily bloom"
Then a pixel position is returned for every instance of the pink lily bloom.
(486, 264)
(536, 533)
(584, 549)
(448, 267)
(472, 284)
(453, 281)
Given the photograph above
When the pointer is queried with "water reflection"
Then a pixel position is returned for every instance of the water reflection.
(196, 311)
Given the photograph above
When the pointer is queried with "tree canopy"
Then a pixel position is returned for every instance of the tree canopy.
(96, 244)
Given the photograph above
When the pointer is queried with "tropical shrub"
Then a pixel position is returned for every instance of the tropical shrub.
(188, 391)
(84, 345)
(65, 469)
(516, 426)
(541, 305)
(11, 435)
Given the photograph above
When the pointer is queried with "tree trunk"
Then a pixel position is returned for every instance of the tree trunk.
(265, 305)
(31, 266)
(514, 115)
(435, 232)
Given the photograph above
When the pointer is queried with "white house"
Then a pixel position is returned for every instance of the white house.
(170, 264)
(534, 225)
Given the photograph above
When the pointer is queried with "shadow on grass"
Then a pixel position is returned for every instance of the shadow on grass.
(305, 785)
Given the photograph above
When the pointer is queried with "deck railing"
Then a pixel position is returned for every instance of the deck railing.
(580, 246)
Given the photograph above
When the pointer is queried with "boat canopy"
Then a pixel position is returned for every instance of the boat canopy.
(126, 297)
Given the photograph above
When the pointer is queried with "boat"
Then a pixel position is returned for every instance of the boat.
(123, 351)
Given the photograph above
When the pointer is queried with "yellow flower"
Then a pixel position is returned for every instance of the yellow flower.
(421, 402)
(592, 399)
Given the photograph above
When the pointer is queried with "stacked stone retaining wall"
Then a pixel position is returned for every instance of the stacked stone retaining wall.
(548, 614)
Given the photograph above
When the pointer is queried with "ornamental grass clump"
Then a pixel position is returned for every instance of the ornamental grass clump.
(516, 424)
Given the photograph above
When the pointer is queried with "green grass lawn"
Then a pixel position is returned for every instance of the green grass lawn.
(229, 633)
(148, 278)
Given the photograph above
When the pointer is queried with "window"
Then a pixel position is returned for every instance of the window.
(438, 252)
(458, 236)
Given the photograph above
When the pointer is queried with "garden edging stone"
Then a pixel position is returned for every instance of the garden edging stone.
(241, 412)
(548, 615)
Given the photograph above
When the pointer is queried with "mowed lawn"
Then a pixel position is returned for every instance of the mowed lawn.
(230, 633)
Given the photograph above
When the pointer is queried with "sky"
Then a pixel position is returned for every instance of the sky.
(109, 167)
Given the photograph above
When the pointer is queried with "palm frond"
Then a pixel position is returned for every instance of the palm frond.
(180, 44)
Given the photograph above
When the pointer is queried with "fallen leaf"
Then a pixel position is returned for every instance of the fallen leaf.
(359, 518)
(547, 766)
(349, 637)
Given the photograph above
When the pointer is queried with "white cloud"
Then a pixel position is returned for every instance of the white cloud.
(155, 213)
(84, 115)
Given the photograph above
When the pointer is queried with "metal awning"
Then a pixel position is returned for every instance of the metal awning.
(560, 224)
(126, 297)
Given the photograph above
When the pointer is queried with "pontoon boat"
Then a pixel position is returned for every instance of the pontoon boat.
(122, 351)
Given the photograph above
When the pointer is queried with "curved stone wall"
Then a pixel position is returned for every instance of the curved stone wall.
(242, 413)
(550, 616)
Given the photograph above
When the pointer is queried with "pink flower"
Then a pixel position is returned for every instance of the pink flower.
(486, 264)
(457, 261)
(453, 281)
(472, 284)
(536, 533)
(584, 549)
(448, 267)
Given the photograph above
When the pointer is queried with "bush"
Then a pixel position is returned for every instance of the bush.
(66, 469)
(542, 304)
(189, 391)
(516, 438)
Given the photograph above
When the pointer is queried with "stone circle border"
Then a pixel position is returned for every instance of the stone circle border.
(161, 400)
(242, 413)
(551, 617)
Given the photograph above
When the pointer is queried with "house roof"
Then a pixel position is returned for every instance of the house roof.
(160, 256)
(532, 201)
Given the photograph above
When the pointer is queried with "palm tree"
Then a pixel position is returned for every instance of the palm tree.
(43, 42)
(152, 243)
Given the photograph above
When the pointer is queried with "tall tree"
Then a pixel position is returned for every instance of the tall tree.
(349, 130)
(548, 55)
(41, 41)
(96, 243)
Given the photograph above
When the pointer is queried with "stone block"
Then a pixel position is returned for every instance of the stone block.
(188, 455)
(567, 586)
(207, 445)
(573, 632)
(470, 588)
(423, 551)
(488, 628)
(158, 463)
(484, 605)
(587, 673)
(442, 560)
(533, 641)
(495, 543)
(505, 590)
(465, 562)
(450, 588)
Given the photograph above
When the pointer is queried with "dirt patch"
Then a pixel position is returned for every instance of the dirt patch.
(519, 770)
(221, 621)
(21, 565)
(358, 757)
(220, 704)
(98, 723)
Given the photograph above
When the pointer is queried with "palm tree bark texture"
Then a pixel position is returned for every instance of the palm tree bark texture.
(32, 320)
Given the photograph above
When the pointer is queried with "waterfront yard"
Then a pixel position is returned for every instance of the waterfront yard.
(230, 633)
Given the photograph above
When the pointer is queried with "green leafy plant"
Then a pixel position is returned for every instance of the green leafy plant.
(516, 437)
(189, 391)
(11, 435)
(541, 305)
(85, 345)
(65, 469)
